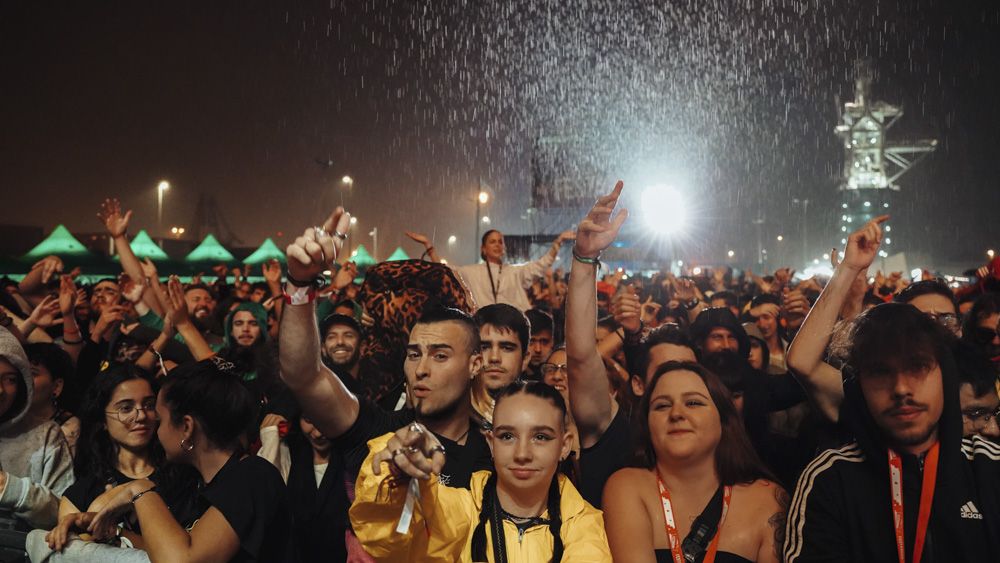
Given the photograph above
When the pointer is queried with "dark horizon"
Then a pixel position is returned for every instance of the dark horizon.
(418, 100)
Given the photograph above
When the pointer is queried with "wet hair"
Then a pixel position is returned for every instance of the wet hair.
(736, 461)
(211, 392)
(482, 242)
(502, 317)
(926, 287)
(490, 511)
(540, 321)
(895, 336)
(664, 334)
(975, 369)
(97, 454)
(434, 315)
(608, 323)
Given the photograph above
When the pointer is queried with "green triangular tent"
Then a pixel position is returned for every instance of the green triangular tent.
(144, 247)
(267, 251)
(398, 254)
(361, 258)
(59, 243)
(210, 250)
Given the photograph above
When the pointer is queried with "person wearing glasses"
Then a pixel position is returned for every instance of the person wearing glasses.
(118, 445)
(977, 392)
(983, 324)
(935, 299)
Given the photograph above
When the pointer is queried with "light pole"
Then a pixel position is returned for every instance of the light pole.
(374, 234)
(160, 188)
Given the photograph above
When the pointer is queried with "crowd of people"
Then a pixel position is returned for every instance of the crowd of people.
(498, 412)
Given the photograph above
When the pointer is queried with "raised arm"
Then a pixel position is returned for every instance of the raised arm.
(116, 224)
(41, 272)
(590, 401)
(426, 242)
(176, 310)
(822, 382)
(323, 397)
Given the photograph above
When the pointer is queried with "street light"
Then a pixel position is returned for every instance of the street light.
(452, 239)
(780, 238)
(990, 253)
(160, 188)
(348, 181)
(177, 231)
(484, 197)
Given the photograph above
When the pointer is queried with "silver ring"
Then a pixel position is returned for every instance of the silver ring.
(396, 452)
(437, 448)
(340, 235)
(319, 232)
(414, 427)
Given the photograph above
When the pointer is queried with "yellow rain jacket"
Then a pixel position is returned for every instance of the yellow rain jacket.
(445, 518)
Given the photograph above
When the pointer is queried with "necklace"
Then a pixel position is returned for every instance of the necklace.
(494, 288)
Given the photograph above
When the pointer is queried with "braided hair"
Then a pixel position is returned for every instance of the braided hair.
(491, 509)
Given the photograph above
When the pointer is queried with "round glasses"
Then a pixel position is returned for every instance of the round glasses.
(128, 412)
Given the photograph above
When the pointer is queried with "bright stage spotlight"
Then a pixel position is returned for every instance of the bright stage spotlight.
(664, 209)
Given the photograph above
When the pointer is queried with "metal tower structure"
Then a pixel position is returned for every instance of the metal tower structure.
(208, 219)
(872, 164)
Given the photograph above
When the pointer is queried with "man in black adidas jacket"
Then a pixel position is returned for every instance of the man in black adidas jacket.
(901, 396)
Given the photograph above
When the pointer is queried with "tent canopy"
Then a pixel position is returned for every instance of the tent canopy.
(398, 254)
(59, 243)
(144, 247)
(210, 250)
(267, 251)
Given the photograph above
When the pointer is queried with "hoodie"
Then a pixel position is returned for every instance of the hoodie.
(841, 510)
(33, 454)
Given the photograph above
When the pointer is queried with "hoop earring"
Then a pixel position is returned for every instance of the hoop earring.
(187, 447)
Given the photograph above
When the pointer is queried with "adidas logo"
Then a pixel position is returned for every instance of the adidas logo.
(969, 510)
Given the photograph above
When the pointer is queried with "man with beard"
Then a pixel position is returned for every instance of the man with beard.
(248, 347)
(341, 348)
(442, 357)
(201, 308)
(503, 342)
(982, 324)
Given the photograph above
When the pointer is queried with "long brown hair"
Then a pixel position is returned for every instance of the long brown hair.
(735, 459)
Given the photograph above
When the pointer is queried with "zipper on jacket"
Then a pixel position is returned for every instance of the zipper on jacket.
(520, 534)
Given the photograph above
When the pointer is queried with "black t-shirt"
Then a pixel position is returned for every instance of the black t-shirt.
(611, 452)
(372, 422)
(251, 496)
(177, 487)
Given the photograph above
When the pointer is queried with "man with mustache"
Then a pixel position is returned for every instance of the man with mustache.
(909, 487)
(442, 357)
(341, 348)
(503, 343)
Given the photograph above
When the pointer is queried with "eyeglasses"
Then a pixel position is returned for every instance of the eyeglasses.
(948, 320)
(549, 369)
(980, 416)
(128, 412)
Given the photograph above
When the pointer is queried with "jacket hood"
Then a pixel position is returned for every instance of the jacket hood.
(258, 312)
(11, 350)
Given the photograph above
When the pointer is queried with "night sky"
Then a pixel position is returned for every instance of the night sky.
(734, 103)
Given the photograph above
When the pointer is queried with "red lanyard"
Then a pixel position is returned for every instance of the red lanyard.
(926, 498)
(674, 537)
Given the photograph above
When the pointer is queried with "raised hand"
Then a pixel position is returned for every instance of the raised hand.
(626, 310)
(412, 451)
(317, 248)
(174, 305)
(46, 314)
(345, 275)
(863, 245)
(794, 307)
(50, 265)
(686, 290)
(568, 234)
(149, 269)
(131, 289)
(599, 228)
(650, 309)
(67, 296)
(271, 271)
(111, 216)
(419, 238)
